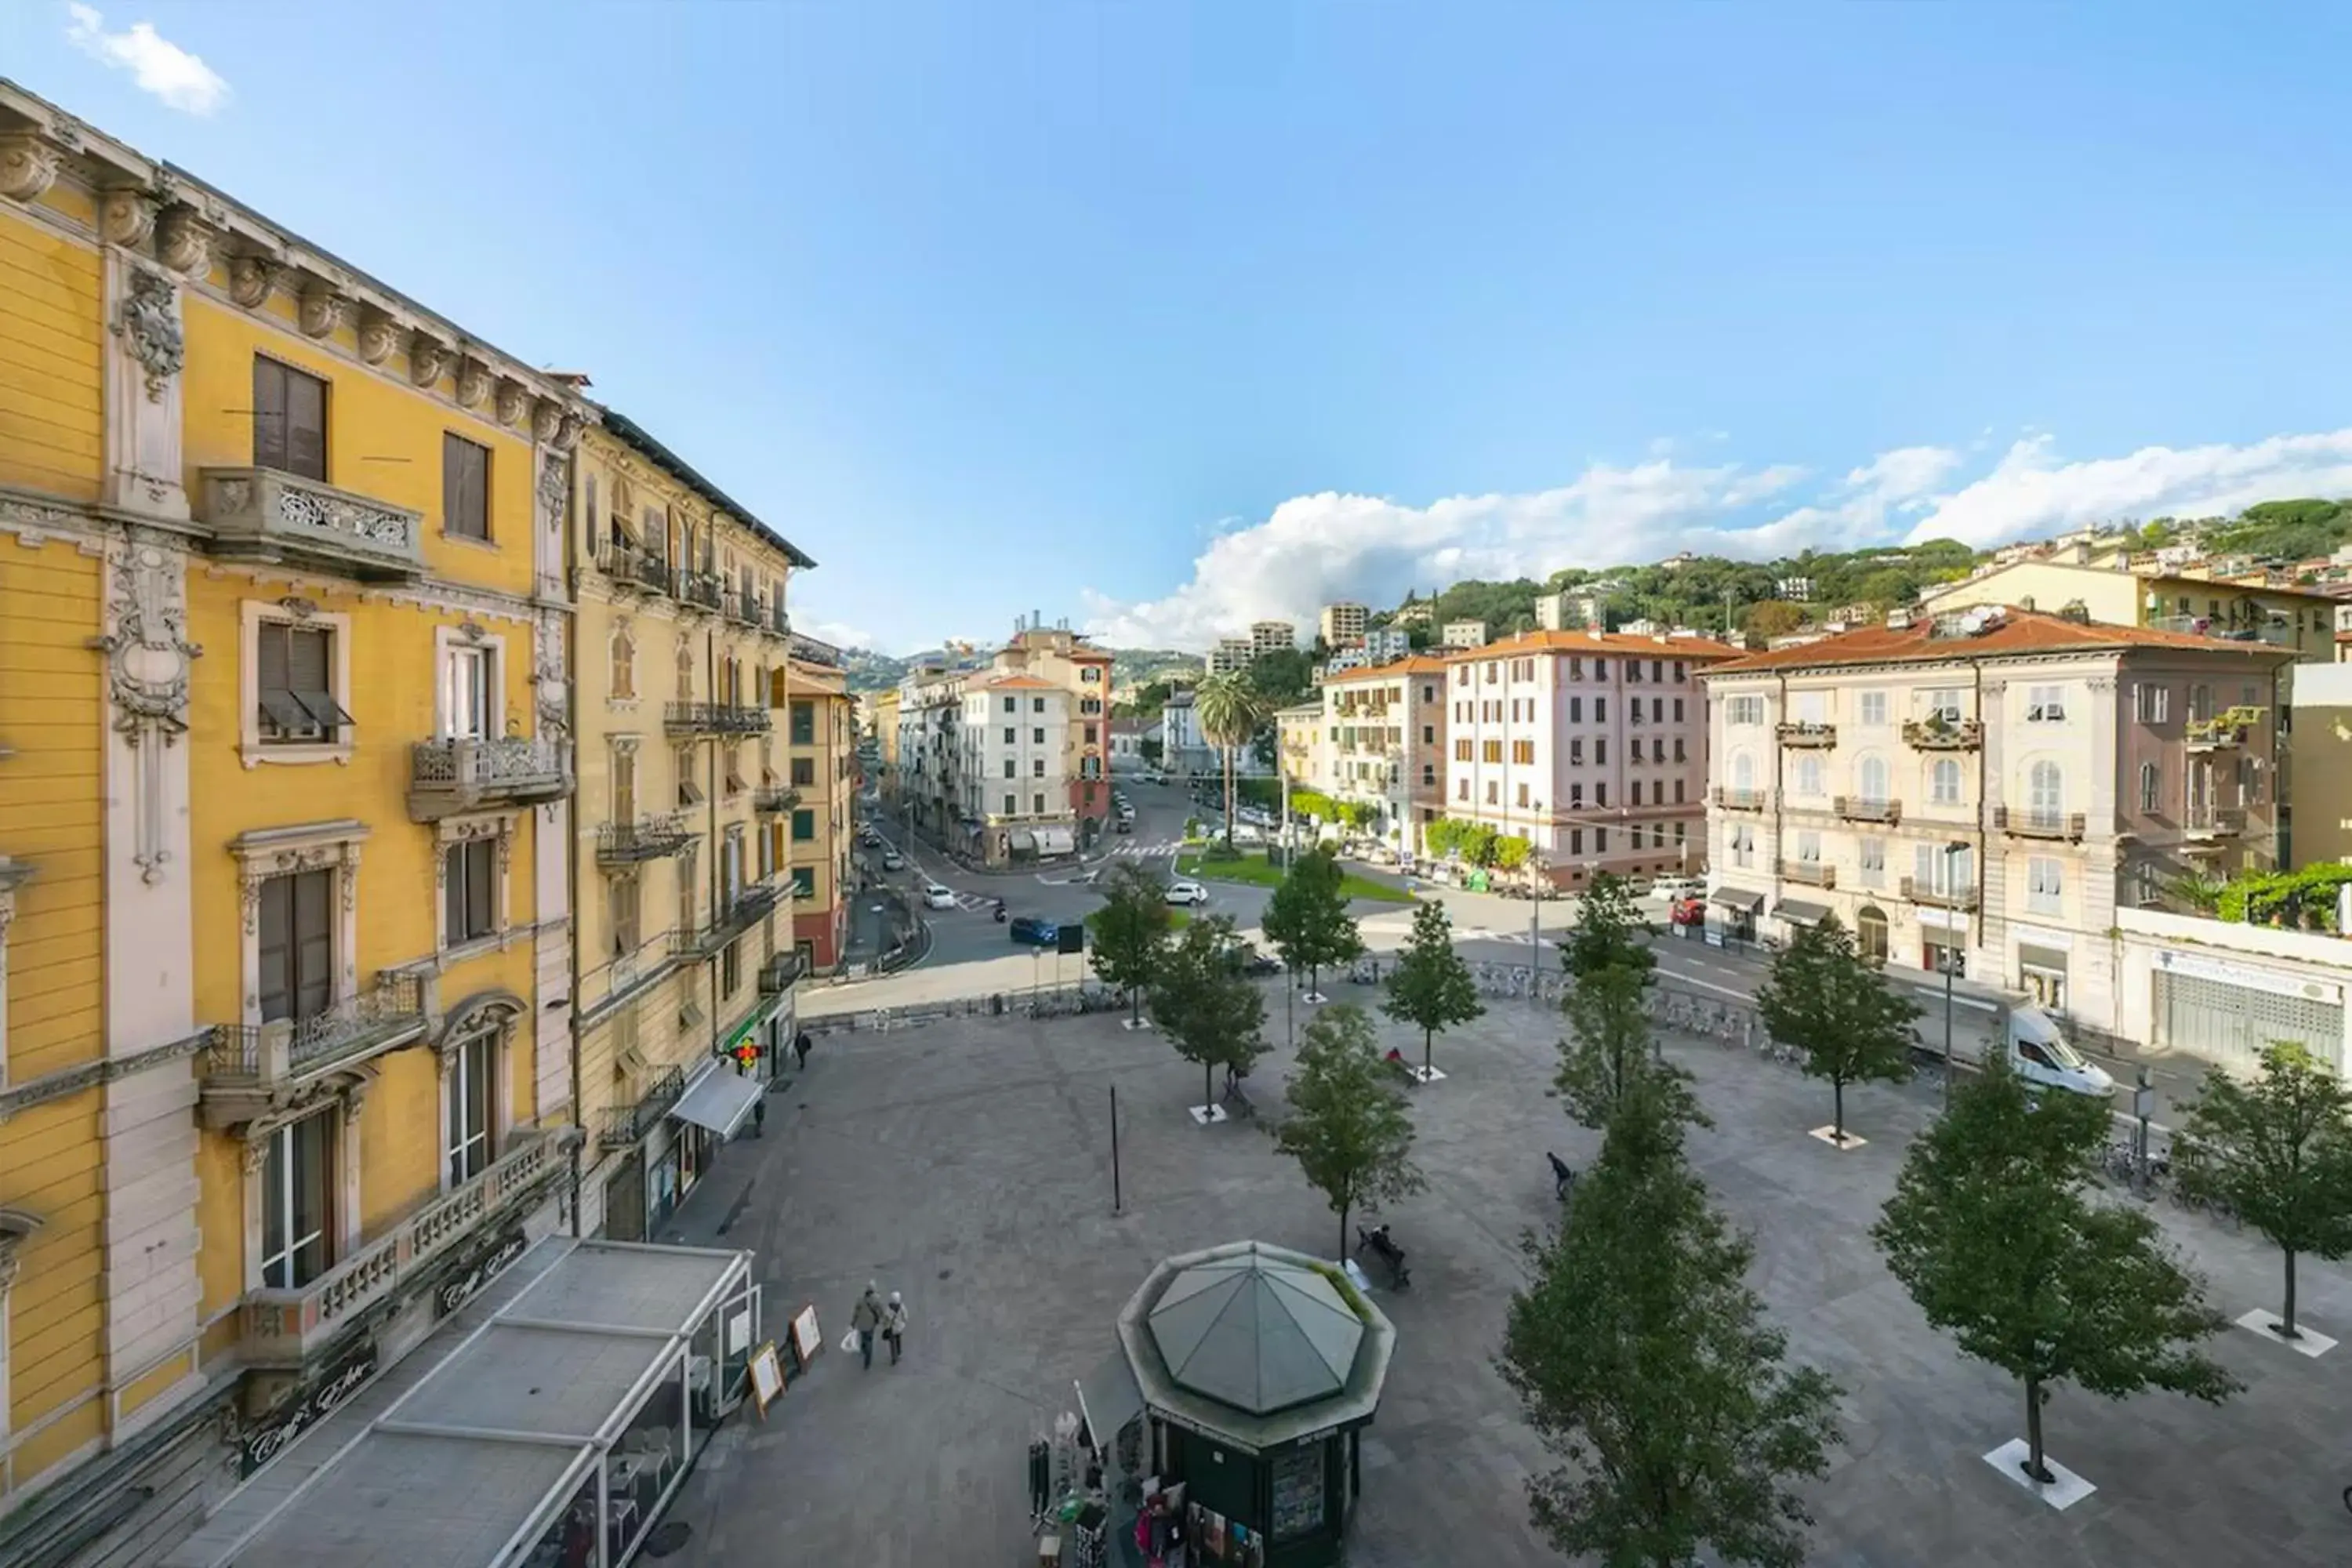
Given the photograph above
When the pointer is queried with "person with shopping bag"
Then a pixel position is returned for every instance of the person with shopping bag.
(864, 1319)
(893, 1326)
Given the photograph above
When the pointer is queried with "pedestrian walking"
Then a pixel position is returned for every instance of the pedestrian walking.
(801, 1049)
(760, 1116)
(867, 1317)
(893, 1326)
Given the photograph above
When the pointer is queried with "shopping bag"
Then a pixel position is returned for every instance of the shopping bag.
(849, 1343)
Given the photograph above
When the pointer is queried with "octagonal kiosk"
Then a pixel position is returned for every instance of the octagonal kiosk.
(1254, 1368)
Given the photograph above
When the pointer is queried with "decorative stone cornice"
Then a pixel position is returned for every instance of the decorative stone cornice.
(28, 165)
(127, 216)
(379, 335)
(546, 418)
(473, 383)
(250, 279)
(73, 1079)
(322, 309)
(428, 356)
(183, 242)
(511, 401)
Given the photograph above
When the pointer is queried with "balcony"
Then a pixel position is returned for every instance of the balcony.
(1918, 892)
(751, 906)
(632, 568)
(1943, 735)
(1806, 732)
(265, 514)
(250, 1070)
(777, 622)
(772, 799)
(2030, 824)
(700, 590)
(745, 609)
(808, 650)
(1733, 799)
(1855, 808)
(779, 974)
(646, 838)
(626, 1125)
(446, 777)
(714, 719)
(2277, 632)
(2224, 731)
(287, 1328)
(2215, 822)
(1812, 873)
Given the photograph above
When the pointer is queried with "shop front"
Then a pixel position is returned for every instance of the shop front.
(1797, 915)
(1731, 915)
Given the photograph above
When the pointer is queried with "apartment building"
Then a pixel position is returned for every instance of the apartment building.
(1272, 636)
(1230, 656)
(1301, 748)
(1592, 746)
(1386, 645)
(929, 790)
(684, 946)
(810, 830)
(1065, 659)
(1383, 745)
(2118, 589)
(884, 709)
(1013, 770)
(1985, 789)
(1463, 634)
(1342, 623)
(283, 927)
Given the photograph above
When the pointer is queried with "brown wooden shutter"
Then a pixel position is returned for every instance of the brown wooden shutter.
(268, 414)
(277, 949)
(306, 424)
(481, 887)
(270, 659)
(314, 942)
(453, 894)
(452, 484)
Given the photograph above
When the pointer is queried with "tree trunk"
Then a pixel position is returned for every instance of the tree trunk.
(1837, 1115)
(1343, 1230)
(1208, 1092)
(1229, 800)
(2288, 1330)
(2035, 1471)
(1135, 1003)
(1427, 1039)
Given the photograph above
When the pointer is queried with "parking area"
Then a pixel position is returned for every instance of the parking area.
(969, 1164)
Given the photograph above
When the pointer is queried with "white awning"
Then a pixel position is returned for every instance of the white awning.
(1055, 841)
(720, 1102)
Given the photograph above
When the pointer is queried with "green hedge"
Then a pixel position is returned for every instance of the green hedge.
(2305, 898)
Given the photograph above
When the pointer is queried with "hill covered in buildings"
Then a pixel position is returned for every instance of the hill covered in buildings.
(871, 672)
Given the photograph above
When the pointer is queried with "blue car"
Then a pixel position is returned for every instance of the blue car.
(1031, 932)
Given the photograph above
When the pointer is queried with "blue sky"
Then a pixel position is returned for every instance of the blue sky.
(1163, 318)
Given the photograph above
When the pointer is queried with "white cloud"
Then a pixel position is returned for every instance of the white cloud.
(159, 65)
(840, 634)
(1312, 550)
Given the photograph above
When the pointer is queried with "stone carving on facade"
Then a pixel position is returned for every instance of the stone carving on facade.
(473, 383)
(184, 242)
(149, 661)
(483, 1013)
(28, 166)
(546, 419)
(17, 1228)
(470, 630)
(260, 868)
(379, 335)
(567, 432)
(427, 358)
(127, 217)
(322, 309)
(150, 324)
(511, 401)
(250, 279)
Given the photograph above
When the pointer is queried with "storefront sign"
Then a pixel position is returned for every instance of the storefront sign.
(317, 1400)
(2269, 980)
(486, 1268)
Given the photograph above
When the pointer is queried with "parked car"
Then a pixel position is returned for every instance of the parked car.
(1676, 887)
(1184, 893)
(1126, 822)
(938, 897)
(1029, 932)
(1689, 911)
(893, 861)
(1248, 958)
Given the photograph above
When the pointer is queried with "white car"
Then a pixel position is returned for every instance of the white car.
(938, 897)
(1678, 887)
(1187, 893)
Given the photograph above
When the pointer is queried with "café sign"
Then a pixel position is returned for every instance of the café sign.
(318, 1399)
(486, 1268)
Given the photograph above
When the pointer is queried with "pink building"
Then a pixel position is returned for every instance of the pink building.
(1590, 745)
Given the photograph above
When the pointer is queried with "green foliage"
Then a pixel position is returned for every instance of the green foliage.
(1347, 1126)
(1995, 1233)
(2278, 1152)
(1307, 920)
(1511, 853)
(1131, 930)
(1229, 711)
(1431, 987)
(1607, 931)
(2286, 530)
(1772, 618)
(1826, 1000)
(1477, 843)
(2304, 898)
(1281, 678)
(1212, 1015)
(1644, 1362)
(1151, 749)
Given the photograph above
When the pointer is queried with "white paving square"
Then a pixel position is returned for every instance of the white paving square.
(2263, 1323)
(1206, 1114)
(1831, 1136)
(2064, 1492)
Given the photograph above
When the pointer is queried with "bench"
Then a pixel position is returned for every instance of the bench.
(1378, 1244)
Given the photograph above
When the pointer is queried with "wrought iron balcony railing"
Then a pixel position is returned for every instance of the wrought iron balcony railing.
(446, 777)
(2216, 821)
(700, 590)
(751, 906)
(1855, 808)
(632, 568)
(1919, 892)
(1807, 733)
(2024, 822)
(774, 798)
(272, 514)
(646, 838)
(1733, 799)
(389, 1012)
(715, 719)
(624, 1125)
(779, 974)
(1817, 873)
(1943, 735)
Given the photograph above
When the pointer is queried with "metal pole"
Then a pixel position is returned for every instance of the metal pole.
(1949, 852)
(1114, 1149)
(2143, 1102)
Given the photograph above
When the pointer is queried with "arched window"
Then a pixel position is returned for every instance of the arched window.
(2046, 793)
(1743, 772)
(1870, 932)
(1870, 779)
(1809, 777)
(625, 663)
(1946, 789)
(684, 673)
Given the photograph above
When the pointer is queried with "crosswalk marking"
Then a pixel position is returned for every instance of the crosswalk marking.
(1147, 851)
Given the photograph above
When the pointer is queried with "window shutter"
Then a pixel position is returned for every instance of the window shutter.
(452, 894)
(306, 424)
(270, 658)
(481, 886)
(268, 414)
(314, 942)
(277, 948)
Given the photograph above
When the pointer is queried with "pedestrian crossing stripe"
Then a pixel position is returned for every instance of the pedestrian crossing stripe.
(1147, 851)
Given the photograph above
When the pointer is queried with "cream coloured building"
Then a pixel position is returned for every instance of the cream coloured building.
(2109, 589)
(1383, 746)
(1986, 789)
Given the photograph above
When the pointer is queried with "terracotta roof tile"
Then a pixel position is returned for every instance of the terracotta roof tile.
(1597, 642)
(1020, 683)
(1414, 664)
(2019, 633)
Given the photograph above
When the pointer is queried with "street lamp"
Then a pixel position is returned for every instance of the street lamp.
(1952, 852)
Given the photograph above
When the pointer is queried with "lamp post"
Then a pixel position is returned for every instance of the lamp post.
(1952, 851)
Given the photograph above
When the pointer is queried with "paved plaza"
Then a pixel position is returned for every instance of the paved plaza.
(968, 1163)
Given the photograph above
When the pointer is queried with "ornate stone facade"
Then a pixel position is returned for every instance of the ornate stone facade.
(148, 322)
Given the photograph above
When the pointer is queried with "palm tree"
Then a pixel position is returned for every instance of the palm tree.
(1229, 711)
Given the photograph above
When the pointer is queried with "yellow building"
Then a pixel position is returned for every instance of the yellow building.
(2112, 592)
(685, 931)
(284, 919)
(814, 839)
(885, 708)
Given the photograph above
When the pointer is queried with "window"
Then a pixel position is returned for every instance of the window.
(1873, 862)
(1576, 751)
(689, 908)
(1678, 791)
(464, 489)
(803, 826)
(1037, 737)
(1870, 779)
(1810, 707)
(290, 420)
(1635, 787)
(1601, 751)
(297, 948)
(1744, 710)
(1576, 710)
(1523, 751)
(689, 792)
(1429, 734)
(1808, 848)
(1678, 710)
(2151, 786)
(1037, 767)
(1743, 773)
(1600, 710)
(1089, 739)
(1012, 736)
(624, 674)
(803, 722)
(297, 1201)
(621, 908)
(1944, 787)
(625, 783)
(2045, 705)
(1600, 794)
(469, 693)
(1870, 709)
(1681, 755)
(469, 891)
(2151, 704)
(1600, 669)
(804, 876)
(1943, 869)
(1493, 793)
(1462, 789)
(1013, 705)
(1523, 794)
(1090, 674)
(1576, 797)
(1012, 803)
(2201, 702)
(1809, 775)
(2045, 794)
(730, 969)
(294, 678)
(472, 1083)
(684, 673)
(804, 770)
(1037, 804)
(1036, 705)
(1743, 845)
(1490, 750)
(2045, 883)
(1576, 841)
(1942, 702)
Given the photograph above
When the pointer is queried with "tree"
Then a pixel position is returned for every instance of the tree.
(1772, 618)
(2278, 1152)
(1993, 1231)
(1511, 853)
(1606, 931)
(1208, 1009)
(1130, 932)
(1307, 920)
(1644, 1361)
(1347, 1125)
(1826, 1000)
(1431, 987)
(1608, 1043)
(1229, 711)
